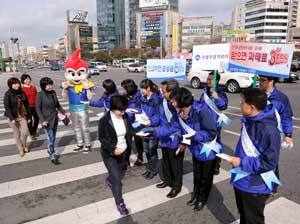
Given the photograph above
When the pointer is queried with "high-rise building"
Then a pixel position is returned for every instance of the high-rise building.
(116, 23)
(5, 49)
(196, 31)
(269, 19)
(238, 17)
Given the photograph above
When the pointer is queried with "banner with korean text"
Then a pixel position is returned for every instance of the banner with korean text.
(261, 59)
(161, 69)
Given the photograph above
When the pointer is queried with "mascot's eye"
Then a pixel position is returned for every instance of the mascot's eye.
(73, 74)
(79, 73)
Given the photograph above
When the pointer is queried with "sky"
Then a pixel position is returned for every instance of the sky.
(42, 22)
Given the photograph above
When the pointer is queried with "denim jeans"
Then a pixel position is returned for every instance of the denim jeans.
(51, 135)
(150, 148)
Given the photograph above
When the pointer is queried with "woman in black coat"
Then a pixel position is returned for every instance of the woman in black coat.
(17, 110)
(115, 133)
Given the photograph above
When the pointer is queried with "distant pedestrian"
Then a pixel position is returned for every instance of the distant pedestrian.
(31, 93)
(115, 133)
(17, 110)
(256, 157)
(47, 105)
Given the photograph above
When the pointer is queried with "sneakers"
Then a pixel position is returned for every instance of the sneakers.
(122, 209)
(86, 149)
(78, 148)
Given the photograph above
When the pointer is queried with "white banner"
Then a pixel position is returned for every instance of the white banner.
(153, 3)
(161, 69)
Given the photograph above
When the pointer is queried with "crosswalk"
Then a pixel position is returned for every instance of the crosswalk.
(32, 190)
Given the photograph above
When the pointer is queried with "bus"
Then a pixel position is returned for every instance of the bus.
(127, 61)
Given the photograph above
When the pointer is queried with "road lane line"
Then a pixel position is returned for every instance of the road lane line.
(232, 132)
(138, 200)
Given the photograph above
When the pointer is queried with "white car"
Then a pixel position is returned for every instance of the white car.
(135, 68)
(232, 81)
(100, 65)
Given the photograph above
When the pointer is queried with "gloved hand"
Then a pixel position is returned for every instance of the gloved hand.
(149, 130)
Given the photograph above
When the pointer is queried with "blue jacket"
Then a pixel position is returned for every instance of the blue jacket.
(104, 101)
(263, 132)
(151, 109)
(221, 102)
(169, 134)
(134, 103)
(203, 122)
(283, 106)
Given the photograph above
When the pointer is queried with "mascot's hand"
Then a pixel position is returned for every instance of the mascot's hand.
(85, 84)
(65, 85)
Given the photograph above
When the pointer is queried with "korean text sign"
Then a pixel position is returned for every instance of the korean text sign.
(160, 69)
(261, 59)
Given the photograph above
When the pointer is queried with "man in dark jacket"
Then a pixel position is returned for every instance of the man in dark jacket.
(256, 157)
(221, 102)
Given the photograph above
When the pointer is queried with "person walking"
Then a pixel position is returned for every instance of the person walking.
(199, 132)
(115, 133)
(31, 92)
(256, 157)
(219, 99)
(47, 107)
(18, 112)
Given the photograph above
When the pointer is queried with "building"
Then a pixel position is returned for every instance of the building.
(238, 17)
(238, 36)
(62, 47)
(5, 50)
(269, 19)
(116, 21)
(196, 31)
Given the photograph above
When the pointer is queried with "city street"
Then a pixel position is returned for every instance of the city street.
(33, 190)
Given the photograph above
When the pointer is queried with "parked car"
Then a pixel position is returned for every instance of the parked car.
(232, 81)
(100, 65)
(135, 68)
(93, 70)
(294, 74)
(55, 67)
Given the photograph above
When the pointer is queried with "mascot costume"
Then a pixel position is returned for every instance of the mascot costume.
(78, 90)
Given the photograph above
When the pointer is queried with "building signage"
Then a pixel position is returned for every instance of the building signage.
(77, 16)
(153, 3)
(161, 69)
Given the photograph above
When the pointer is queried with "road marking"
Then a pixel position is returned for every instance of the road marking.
(289, 212)
(9, 130)
(297, 119)
(236, 108)
(64, 107)
(232, 132)
(138, 200)
(59, 134)
(40, 154)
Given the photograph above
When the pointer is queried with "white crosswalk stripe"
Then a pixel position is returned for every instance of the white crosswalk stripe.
(104, 211)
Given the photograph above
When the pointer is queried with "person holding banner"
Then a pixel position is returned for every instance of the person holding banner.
(169, 133)
(199, 133)
(256, 157)
(217, 101)
(151, 99)
(283, 111)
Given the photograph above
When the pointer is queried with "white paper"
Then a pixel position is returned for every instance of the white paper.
(224, 156)
(185, 140)
(142, 134)
(131, 110)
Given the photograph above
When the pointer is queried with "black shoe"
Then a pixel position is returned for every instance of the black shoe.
(55, 161)
(217, 171)
(192, 201)
(199, 205)
(173, 193)
(146, 173)
(150, 176)
(162, 185)
(78, 148)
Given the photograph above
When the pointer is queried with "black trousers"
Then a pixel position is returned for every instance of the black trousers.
(33, 125)
(203, 178)
(172, 168)
(115, 175)
(251, 207)
(218, 159)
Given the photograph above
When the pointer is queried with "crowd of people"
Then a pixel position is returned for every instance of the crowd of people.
(170, 118)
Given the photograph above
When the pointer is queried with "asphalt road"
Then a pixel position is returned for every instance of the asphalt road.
(33, 189)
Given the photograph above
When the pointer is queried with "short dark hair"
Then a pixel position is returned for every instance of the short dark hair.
(109, 85)
(171, 84)
(45, 81)
(130, 87)
(270, 78)
(218, 75)
(118, 102)
(183, 97)
(24, 77)
(148, 83)
(11, 81)
(256, 97)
